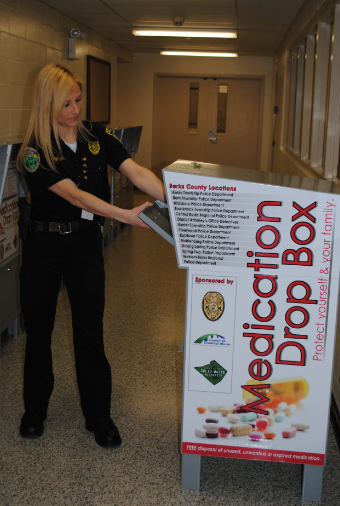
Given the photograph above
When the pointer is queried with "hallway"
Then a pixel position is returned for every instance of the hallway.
(143, 328)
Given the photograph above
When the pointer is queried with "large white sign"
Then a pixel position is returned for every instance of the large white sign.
(9, 214)
(262, 291)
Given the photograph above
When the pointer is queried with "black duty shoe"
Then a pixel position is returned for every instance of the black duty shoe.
(105, 432)
(32, 425)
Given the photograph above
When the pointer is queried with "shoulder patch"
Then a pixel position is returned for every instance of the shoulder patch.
(110, 132)
(31, 159)
(94, 147)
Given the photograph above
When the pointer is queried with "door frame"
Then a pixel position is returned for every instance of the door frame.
(191, 75)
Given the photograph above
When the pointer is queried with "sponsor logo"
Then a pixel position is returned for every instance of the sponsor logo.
(213, 305)
(213, 372)
(212, 339)
(31, 159)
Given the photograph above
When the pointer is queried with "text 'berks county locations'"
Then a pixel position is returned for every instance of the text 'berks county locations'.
(211, 225)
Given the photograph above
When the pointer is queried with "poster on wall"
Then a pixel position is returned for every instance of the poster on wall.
(9, 214)
(263, 270)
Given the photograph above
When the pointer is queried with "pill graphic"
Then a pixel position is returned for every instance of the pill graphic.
(282, 406)
(262, 406)
(289, 410)
(199, 433)
(215, 408)
(289, 390)
(241, 430)
(233, 418)
(269, 435)
(210, 426)
(248, 417)
(300, 426)
(270, 412)
(239, 410)
(201, 410)
(211, 420)
(262, 423)
(271, 420)
(290, 432)
(255, 436)
(224, 431)
(228, 410)
(279, 417)
(211, 433)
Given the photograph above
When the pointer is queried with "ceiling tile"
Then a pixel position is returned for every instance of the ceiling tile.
(74, 3)
(288, 5)
(85, 9)
(261, 27)
(103, 20)
(258, 52)
(265, 18)
(256, 39)
(173, 3)
(163, 16)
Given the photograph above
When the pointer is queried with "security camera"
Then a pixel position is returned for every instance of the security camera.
(76, 33)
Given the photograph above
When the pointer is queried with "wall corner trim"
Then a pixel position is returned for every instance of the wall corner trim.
(335, 420)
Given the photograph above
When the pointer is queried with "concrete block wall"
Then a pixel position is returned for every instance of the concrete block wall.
(31, 35)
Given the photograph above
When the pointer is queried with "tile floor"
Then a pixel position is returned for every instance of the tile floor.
(144, 324)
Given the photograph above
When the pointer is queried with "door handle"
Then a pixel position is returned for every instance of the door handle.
(210, 136)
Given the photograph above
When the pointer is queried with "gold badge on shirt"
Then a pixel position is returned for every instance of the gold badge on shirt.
(94, 147)
(213, 305)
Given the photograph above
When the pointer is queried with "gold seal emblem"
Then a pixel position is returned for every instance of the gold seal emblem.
(94, 147)
(213, 305)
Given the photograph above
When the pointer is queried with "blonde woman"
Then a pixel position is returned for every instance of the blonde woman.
(64, 163)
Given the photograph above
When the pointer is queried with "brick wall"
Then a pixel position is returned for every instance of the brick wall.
(31, 35)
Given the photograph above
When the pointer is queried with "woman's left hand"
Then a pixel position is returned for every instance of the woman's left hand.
(132, 216)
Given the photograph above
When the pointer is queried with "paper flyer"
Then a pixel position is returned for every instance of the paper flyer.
(259, 343)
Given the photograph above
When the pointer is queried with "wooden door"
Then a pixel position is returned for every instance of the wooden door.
(180, 132)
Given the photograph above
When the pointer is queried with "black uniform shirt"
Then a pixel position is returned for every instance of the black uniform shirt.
(87, 168)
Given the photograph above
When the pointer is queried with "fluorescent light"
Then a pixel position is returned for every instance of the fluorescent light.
(184, 32)
(199, 53)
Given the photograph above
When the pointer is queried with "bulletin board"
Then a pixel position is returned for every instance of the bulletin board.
(98, 90)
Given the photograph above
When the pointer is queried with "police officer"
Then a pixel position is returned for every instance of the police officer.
(64, 162)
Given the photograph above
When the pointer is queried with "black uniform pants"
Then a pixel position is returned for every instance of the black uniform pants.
(78, 257)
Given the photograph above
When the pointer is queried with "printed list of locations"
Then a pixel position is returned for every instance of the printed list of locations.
(212, 226)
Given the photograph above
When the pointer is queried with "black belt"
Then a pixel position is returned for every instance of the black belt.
(61, 227)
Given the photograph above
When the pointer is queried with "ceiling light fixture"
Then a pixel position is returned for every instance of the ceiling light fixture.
(184, 32)
(199, 53)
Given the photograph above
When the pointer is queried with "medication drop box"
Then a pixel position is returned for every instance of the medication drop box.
(262, 256)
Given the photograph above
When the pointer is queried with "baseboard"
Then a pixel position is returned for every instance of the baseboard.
(335, 419)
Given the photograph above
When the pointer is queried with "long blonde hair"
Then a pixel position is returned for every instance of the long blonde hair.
(51, 88)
